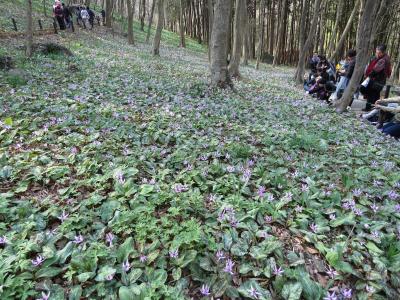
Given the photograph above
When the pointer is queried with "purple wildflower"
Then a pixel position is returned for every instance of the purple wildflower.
(120, 177)
(63, 216)
(278, 271)
(44, 296)
(261, 191)
(357, 211)
(271, 198)
(393, 195)
(3, 240)
(397, 208)
(220, 255)
(126, 266)
(374, 208)
(288, 196)
(331, 272)
(331, 296)
(332, 217)
(78, 239)
(74, 150)
(37, 261)
(205, 290)
(229, 266)
(305, 188)
(347, 293)
(173, 253)
(374, 164)
(268, 219)
(109, 239)
(110, 277)
(314, 227)
(254, 293)
(230, 169)
(179, 188)
(357, 192)
(375, 234)
(246, 175)
(298, 208)
(369, 289)
(143, 258)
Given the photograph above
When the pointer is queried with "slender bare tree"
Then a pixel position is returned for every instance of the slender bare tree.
(308, 44)
(29, 29)
(131, 40)
(160, 24)
(239, 26)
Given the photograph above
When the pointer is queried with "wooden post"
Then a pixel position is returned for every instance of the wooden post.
(40, 24)
(15, 24)
(55, 26)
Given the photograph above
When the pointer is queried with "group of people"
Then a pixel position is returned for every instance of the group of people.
(325, 82)
(84, 15)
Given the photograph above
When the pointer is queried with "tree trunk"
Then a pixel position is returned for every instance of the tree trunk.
(261, 34)
(239, 26)
(340, 44)
(45, 8)
(143, 15)
(29, 29)
(160, 23)
(339, 15)
(219, 44)
(280, 33)
(181, 27)
(131, 40)
(210, 25)
(308, 44)
(363, 50)
(302, 37)
(153, 5)
(109, 6)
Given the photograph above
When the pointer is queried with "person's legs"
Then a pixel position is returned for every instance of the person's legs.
(372, 96)
(392, 129)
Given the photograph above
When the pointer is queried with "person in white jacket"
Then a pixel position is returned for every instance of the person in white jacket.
(84, 16)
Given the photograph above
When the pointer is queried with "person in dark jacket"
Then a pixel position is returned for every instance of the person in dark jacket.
(378, 70)
(103, 17)
(67, 15)
(59, 15)
(91, 17)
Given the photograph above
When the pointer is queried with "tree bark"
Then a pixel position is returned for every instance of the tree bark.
(308, 44)
(339, 11)
(280, 33)
(219, 44)
(340, 44)
(131, 40)
(143, 15)
(181, 26)
(153, 5)
(261, 34)
(29, 29)
(239, 26)
(109, 7)
(160, 23)
(363, 50)
(210, 25)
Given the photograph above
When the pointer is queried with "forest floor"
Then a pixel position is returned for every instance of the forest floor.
(123, 174)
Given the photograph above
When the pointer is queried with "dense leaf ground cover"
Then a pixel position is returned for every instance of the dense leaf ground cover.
(123, 175)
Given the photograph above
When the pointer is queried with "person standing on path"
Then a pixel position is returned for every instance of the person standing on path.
(91, 16)
(59, 14)
(103, 17)
(84, 16)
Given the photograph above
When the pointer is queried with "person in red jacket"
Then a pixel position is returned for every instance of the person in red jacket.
(378, 70)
